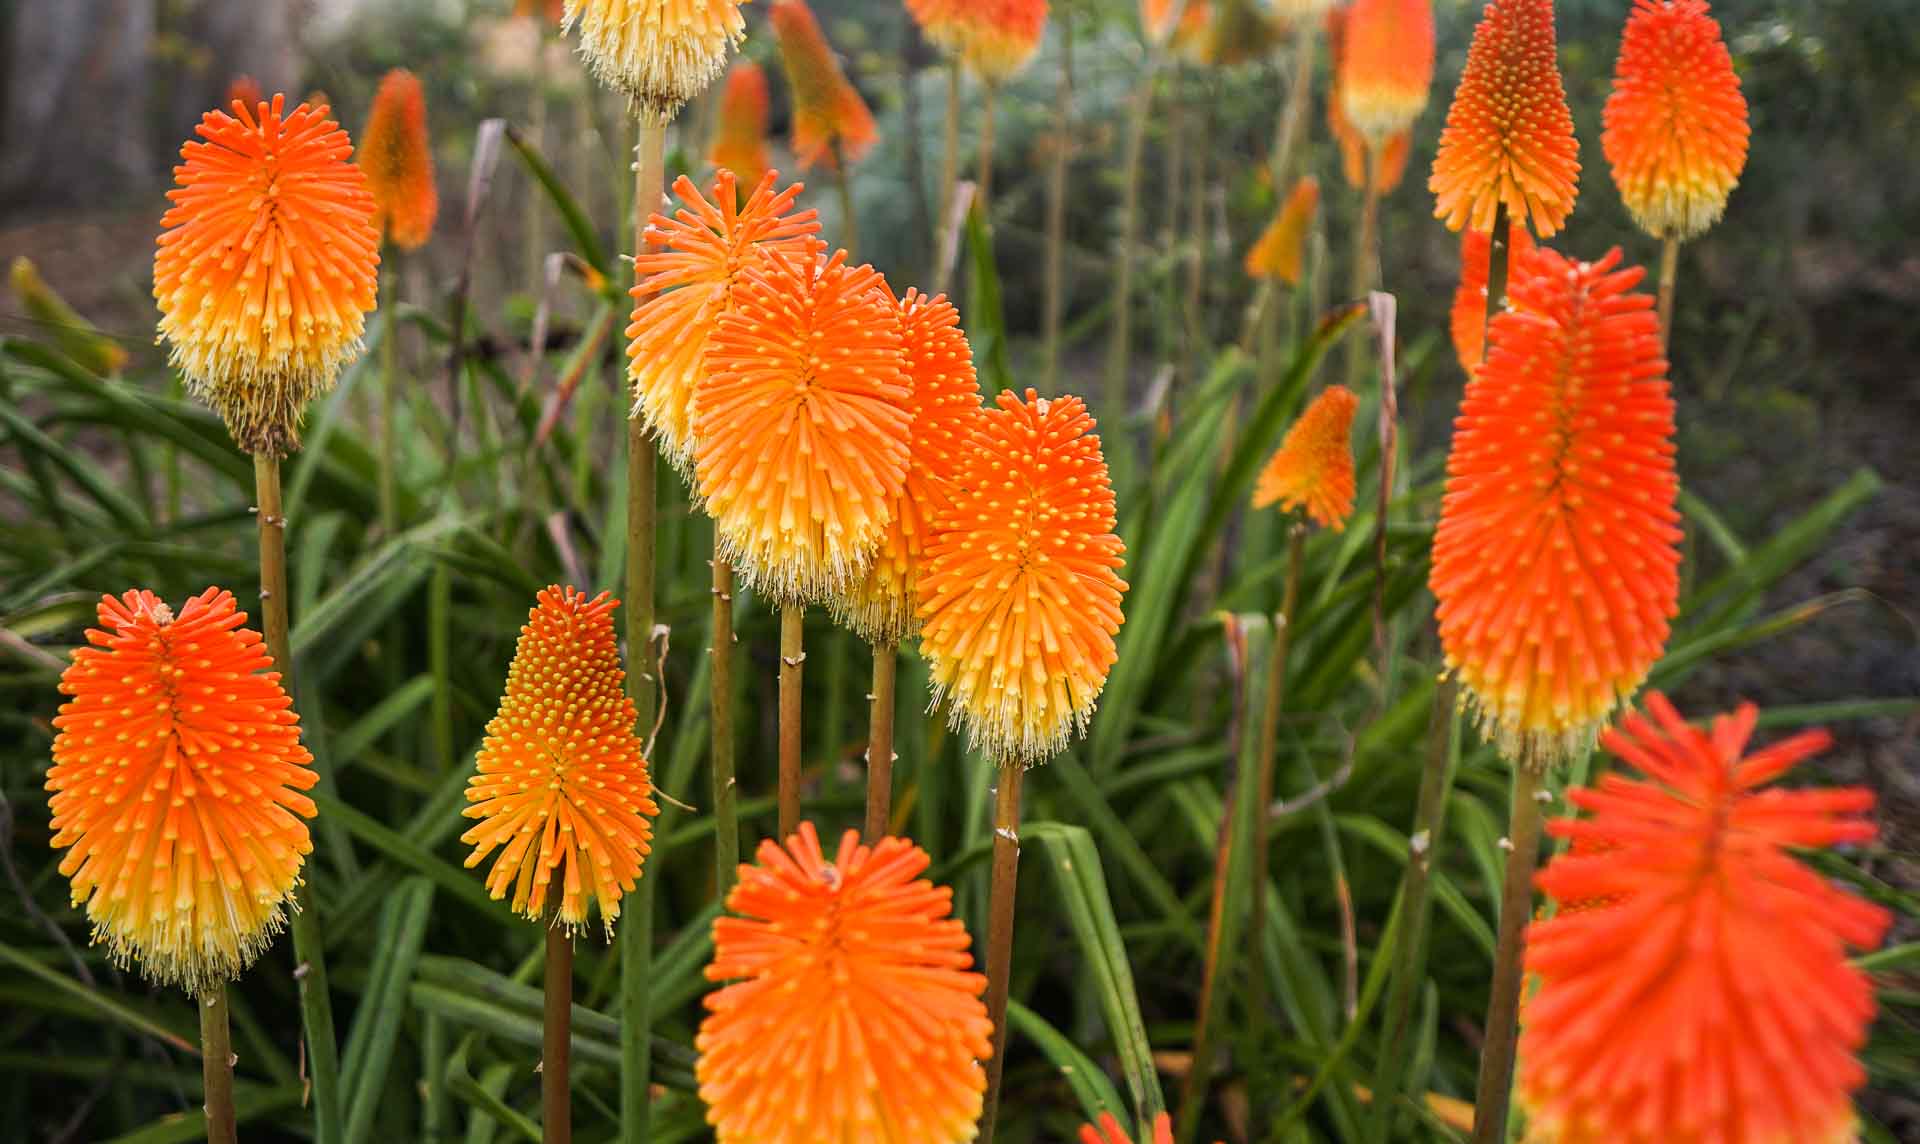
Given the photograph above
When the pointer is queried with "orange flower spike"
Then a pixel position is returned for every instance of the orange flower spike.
(687, 278)
(1313, 468)
(740, 142)
(398, 159)
(853, 1013)
(660, 52)
(1703, 992)
(1277, 254)
(1391, 166)
(267, 266)
(1509, 136)
(1556, 561)
(1386, 65)
(802, 424)
(1675, 126)
(1109, 1131)
(1157, 19)
(176, 788)
(561, 786)
(830, 121)
(946, 411)
(1469, 317)
(244, 89)
(1019, 593)
(942, 22)
(1002, 36)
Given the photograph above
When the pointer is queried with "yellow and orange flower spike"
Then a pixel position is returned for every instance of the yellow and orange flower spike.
(1386, 65)
(1000, 37)
(1675, 126)
(1109, 1131)
(1157, 18)
(740, 141)
(1702, 990)
(176, 788)
(942, 22)
(561, 786)
(946, 411)
(268, 264)
(687, 278)
(1191, 39)
(1509, 135)
(1313, 468)
(660, 52)
(853, 1013)
(831, 123)
(1468, 320)
(1020, 592)
(802, 424)
(1556, 562)
(1277, 253)
(1390, 166)
(398, 159)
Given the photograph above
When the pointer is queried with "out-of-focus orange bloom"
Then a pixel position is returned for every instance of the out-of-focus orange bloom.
(398, 159)
(176, 788)
(740, 142)
(1313, 468)
(1386, 65)
(244, 89)
(1556, 562)
(1390, 165)
(1701, 988)
(831, 123)
(1469, 317)
(1109, 1131)
(660, 52)
(268, 263)
(802, 424)
(1157, 18)
(1000, 37)
(942, 22)
(1190, 31)
(852, 1013)
(1509, 136)
(1675, 127)
(554, 11)
(1277, 254)
(1020, 592)
(687, 277)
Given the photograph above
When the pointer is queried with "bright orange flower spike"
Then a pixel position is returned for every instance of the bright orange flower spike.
(1156, 19)
(740, 142)
(267, 266)
(852, 1013)
(1391, 165)
(1556, 563)
(1386, 65)
(660, 52)
(946, 411)
(1313, 468)
(1675, 127)
(1702, 992)
(687, 278)
(831, 122)
(244, 89)
(1469, 319)
(1000, 37)
(1019, 593)
(1509, 136)
(1277, 253)
(176, 781)
(1110, 1131)
(398, 159)
(802, 425)
(942, 22)
(561, 784)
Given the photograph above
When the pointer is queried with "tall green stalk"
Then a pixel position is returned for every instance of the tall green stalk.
(1502, 1030)
(1366, 256)
(726, 792)
(216, 1065)
(1120, 336)
(389, 404)
(1000, 902)
(1270, 749)
(1669, 273)
(949, 179)
(556, 1038)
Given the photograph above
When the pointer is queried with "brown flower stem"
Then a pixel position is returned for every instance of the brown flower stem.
(1120, 333)
(1006, 879)
(1669, 271)
(726, 792)
(1366, 255)
(949, 177)
(886, 663)
(983, 194)
(849, 219)
(556, 1038)
(1499, 251)
(309, 948)
(1270, 750)
(216, 1065)
(1056, 283)
(1502, 1030)
(793, 626)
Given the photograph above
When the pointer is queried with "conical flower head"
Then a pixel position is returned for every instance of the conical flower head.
(660, 52)
(1390, 165)
(1020, 592)
(1277, 253)
(1675, 126)
(1556, 562)
(687, 278)
(1109, 1131)
(852, 1013)
(1509, 136)
(176, 788)
(946, 411)
(802, 425)
(1314, 467)
(831, 122)
(1157, 18)
(1386, 65)
(1701, 991)
(398, 159)
(1469, 316)
(1000, 37)
(740, 142)
(561, 789)
(268, 264)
